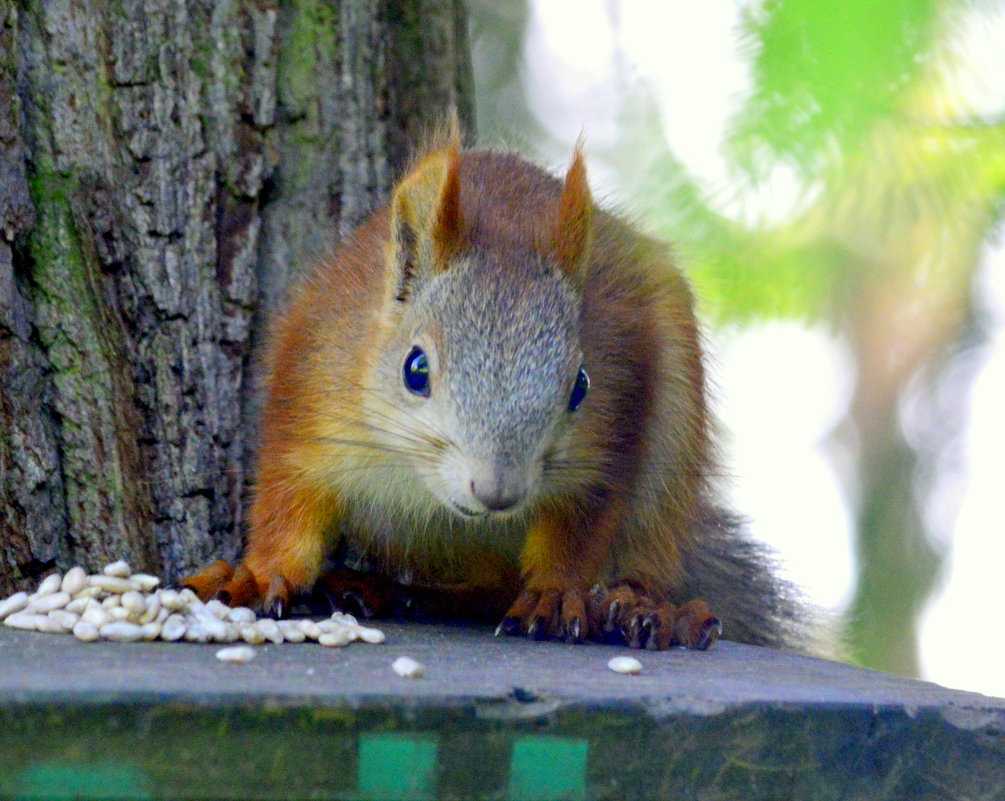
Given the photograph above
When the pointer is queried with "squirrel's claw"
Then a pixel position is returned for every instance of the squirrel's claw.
(711, 631)
(277, 599)
(696, 627)
(538, 628)
(574, 631)
(509, 625)
(276, 609)
(657, 625)
(611, 618)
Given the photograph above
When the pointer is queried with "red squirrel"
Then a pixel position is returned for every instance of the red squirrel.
(495, 392)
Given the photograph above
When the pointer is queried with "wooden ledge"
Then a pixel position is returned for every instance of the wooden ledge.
(500, 718)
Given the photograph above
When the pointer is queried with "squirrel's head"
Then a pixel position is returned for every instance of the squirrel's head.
(483, 375)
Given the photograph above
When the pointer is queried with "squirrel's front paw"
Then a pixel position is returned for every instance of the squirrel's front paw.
(364, 595)
(208, 582)
(633, 617)
(551, 613)
(240, 587)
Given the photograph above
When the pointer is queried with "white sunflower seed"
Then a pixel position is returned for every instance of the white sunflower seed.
(119, 569)
(121, 631)
(343, 635)
(46, 603)
(173, 628)
(145, 581)
(310, 629)
(408, 668)
(291, 631)
(251, 634)
(237, 654)
(63, 619)
(134, 602)
(270, 629)
(114, 584)
(370, 635)
(27, 621)
(151, 609)
(16, 603)
(241, 614)
(96, 616)
(172, 600)
(625, 664)
(218, 609)
(85, 631)
(74, 581)
(77, 606)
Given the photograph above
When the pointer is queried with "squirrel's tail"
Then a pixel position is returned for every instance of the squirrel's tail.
(739, 578)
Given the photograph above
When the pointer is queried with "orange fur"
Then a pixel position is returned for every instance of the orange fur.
(447, 228)
(573, 229)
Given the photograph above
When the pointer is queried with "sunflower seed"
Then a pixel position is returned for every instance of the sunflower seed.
(625, 664)
(121, 631)
(49, 585)
(237, 654)
(16, 603)
(74, 581)
(119, 569)
(408, 668)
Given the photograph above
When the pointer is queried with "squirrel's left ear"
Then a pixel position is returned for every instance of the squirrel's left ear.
(426, 214)
(573, 232)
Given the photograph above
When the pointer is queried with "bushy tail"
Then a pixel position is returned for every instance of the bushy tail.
(739, 578)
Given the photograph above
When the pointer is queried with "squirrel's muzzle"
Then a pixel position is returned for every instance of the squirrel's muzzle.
(498, 487)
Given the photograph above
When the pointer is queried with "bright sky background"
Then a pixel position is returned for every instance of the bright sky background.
(784, 387)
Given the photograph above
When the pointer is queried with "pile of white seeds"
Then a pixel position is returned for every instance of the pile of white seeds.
(117, 604)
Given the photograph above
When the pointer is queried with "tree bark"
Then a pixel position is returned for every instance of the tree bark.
(166, 167)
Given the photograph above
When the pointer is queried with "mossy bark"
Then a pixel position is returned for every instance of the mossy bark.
(166, 167)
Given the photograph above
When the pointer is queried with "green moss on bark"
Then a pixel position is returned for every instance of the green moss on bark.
(310, 45)
(93, 397)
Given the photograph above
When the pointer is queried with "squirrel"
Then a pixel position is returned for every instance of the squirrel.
(494, 394)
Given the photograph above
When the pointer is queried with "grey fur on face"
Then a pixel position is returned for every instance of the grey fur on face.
(508, 346)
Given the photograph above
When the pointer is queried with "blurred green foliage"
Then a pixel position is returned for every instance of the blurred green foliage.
(826, 73)
(857, 100)
(903, 183)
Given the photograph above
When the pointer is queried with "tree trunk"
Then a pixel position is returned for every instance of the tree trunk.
(165, 168)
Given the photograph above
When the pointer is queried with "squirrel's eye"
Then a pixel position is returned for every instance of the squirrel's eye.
(579, 390)
(416, 372)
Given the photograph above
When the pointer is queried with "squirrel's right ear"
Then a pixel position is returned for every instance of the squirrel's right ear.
(426, 215)
(572, 237)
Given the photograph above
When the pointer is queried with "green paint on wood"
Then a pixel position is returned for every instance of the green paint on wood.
(397, 766)
(548, 768)
(54, 781)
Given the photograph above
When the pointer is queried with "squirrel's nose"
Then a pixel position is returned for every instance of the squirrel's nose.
(496, 493)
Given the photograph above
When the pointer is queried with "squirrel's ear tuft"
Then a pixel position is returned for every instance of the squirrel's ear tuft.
(447, 227)
(426, 215)
(573, 234)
